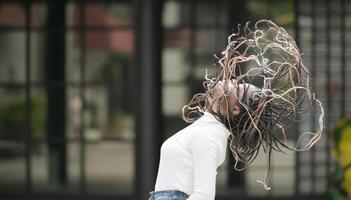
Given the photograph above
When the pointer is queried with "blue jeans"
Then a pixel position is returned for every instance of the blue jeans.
(168, 195)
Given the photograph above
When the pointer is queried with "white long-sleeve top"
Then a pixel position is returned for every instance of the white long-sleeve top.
(189, 159)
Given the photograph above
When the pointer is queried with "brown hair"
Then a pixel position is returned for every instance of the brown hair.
(265, 56)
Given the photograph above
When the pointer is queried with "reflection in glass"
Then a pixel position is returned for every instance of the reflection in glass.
(12, 56)
(12, 14)
(12, 146)
(40, 171)
(108, 14)
(110, 168)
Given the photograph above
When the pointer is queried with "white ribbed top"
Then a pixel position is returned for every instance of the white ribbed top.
(189, 159)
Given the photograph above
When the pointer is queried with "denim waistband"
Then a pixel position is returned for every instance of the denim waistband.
(167, 193)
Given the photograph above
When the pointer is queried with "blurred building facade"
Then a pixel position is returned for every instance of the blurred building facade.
(71, 75)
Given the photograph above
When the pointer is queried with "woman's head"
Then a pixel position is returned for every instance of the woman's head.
(225, 97)
(262, 87)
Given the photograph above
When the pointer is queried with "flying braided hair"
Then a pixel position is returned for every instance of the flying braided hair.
(264, 56)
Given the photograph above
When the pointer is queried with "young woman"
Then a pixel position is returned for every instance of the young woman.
(261, 87)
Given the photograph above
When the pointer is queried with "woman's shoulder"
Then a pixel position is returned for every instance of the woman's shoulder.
(204, 128)
(210, 133)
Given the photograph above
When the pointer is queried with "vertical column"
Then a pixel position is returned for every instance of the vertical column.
(328, 84)
(148, 32)
(313, 72)
(297, 157)
(82, 142)
(28, 137)
(56, 94)
(192, 41)
(237, 15)
(343, 59)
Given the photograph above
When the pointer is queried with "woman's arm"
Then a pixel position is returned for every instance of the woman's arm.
(205, 149)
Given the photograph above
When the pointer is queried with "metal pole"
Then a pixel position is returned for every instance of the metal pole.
(343, 59)
(82, 141)
(148, 32)
(28, 137)
(328, 80)
(313, 72)
(297, 157)
(56, 94)
(237, 14)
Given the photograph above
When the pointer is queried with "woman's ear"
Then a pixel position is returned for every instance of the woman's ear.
(236, 110)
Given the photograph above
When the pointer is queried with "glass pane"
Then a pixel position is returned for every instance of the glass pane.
(284, 159)
(109, 56)
(72, 55)
(185, 13)
(222, 175)
(254, 188)
(12, 134)
(305, 186)
(43, 176)
(45, 162)
(200, 70)
(37, 53)
(40, 113)
(12, 14)
(43, 104)
(283, 181)
(177, 37)
(73, 109)
(305, 170)
(174, 97)
(72, 14)
(171, 14)
(108, 113)
(206, 12)
(257, 8)
(281, 12)
(109, 14)
(12, 56)
(321, 185)
(110, 167)
(39, 14)
(175, 65)
(210, 42)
